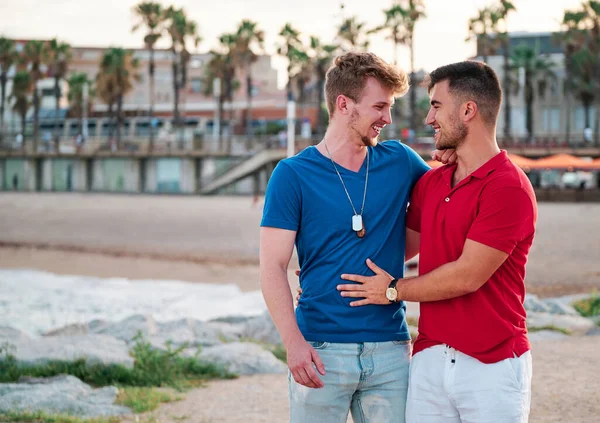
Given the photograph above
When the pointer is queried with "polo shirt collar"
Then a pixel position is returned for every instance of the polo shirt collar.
(484, 170)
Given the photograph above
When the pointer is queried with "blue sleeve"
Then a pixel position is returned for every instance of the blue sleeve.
(418, 166)
(282, 199)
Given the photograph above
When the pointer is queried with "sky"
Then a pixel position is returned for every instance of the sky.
(439, 38)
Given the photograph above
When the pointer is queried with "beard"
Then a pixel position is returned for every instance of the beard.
(454, 136)
(366, 140)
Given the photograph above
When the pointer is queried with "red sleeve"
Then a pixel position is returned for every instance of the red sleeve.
(413, 214)
(505, 217)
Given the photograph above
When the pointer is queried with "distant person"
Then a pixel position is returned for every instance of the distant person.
(587, 134)
(15, 182)
(282, 138)
(475, 221)
(340, 202)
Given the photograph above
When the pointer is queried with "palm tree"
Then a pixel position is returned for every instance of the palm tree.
(352, 35)
(322, 56)
(249, 38)
(481, 28)
(222, 66)
(291, 43)
(394, 23)
(180, 29)
(151, 16)
(538, 69)
(8, 57)
(77, 81)
(60, 56)
(502, 11)
(20, 95)
(121, 69)
(302, 76)
(107, 92)
(572, 40)
(36, 55)
(413, 10)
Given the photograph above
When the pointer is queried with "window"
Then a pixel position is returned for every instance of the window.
(551, 120)
(197, 85)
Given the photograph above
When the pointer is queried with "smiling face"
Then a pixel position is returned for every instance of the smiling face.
(370, 115)
(444, 117)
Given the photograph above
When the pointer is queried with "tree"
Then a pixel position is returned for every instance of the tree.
(60, 56)
(119, 69)
(321, 56)
(481, 28)
(222, 67)
(572, 39)
(181, 30)
(291, 43)
(395, 25)
(249, 40)
(8, 57)
(151, 17)
(538, 70)
(35, 55)
(20, 95)
(501, 12)
(414, 10)
(352, 35)
(77, 81)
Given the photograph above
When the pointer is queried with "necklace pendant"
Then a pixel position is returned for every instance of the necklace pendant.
(361, 233)
(357, 223)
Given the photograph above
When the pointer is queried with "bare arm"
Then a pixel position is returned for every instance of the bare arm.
(474, 267)
(276, 247)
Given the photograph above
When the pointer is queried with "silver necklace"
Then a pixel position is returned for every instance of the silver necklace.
(357, 220)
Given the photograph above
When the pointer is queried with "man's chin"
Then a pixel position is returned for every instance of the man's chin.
(370, 142)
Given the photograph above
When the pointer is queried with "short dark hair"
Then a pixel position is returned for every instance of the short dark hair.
(474, 81)
(349, 72)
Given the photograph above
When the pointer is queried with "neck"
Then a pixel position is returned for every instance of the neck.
(474, 152)
(345, 149)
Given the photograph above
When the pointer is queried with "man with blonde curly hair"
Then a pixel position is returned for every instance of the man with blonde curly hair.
(341, 202)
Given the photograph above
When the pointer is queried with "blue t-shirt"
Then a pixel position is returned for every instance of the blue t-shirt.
(305, 195)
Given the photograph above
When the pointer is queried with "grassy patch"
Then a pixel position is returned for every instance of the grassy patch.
(39, 417)
(280, 352)
(412, 321)
(151, 368)
(550, 327)
(588, 307)
(141, 400)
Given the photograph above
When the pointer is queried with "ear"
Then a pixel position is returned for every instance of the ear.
(343, 104)
(469, 111)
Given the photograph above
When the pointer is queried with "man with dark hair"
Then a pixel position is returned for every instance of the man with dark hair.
(475, 221)
(340, 202)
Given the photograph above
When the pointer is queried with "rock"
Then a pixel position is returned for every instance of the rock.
(243, 358)
(556, 306)
(8, 333)
(262, 329)
(192, 332)
(576, 325)
(544, 335)
(128, 328)
(60, 394)
(69, 330)
(94, 348)
(533, 304)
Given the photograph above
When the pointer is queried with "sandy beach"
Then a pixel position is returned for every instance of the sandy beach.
(215, 240)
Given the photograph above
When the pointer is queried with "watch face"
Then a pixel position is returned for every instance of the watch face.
(391, 294)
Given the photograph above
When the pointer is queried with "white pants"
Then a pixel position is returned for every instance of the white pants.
(448, 386)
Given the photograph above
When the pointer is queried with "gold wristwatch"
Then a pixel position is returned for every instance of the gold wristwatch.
(391, 293)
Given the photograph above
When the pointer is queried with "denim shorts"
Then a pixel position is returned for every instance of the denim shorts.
(369, 379)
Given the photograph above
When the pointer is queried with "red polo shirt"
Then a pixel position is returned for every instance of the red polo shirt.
(495, 206)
